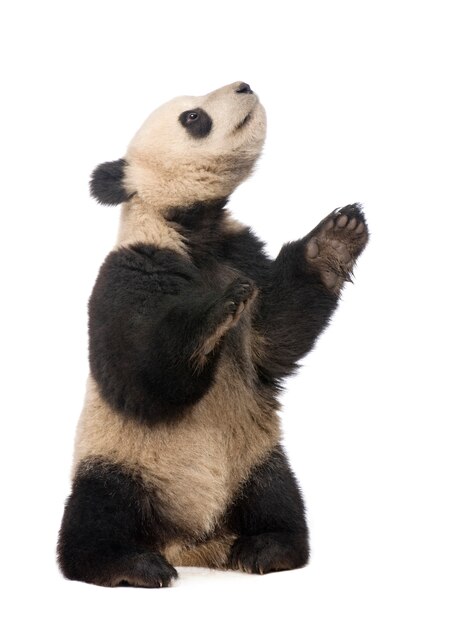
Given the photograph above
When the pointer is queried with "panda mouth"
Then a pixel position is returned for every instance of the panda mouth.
(244, 122)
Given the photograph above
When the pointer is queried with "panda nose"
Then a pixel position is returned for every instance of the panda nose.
(243, 88)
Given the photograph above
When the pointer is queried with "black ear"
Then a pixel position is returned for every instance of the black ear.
(106, 183)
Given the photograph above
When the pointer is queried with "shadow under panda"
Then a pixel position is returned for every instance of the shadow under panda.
(192, 329)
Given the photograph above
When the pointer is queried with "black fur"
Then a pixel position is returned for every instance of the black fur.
(269, 517)
(107, 183)
(197, 122)
(294, 306)
(150, 311)
(111, 530)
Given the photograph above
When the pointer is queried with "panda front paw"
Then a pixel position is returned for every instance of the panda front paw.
(334, 245)
(225, 314)
(238, 295)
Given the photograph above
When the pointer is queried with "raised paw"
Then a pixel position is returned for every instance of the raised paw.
(269, 552)
(141, 570)
(237, 296)
(334, 245)
(227, 311)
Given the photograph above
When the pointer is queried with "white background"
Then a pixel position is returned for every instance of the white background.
(365, 103)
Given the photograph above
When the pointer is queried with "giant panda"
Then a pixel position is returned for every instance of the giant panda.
(192, 331)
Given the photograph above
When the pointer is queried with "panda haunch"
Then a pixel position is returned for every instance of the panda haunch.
(192, 329)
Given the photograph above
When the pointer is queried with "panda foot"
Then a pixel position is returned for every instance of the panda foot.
(141, 570)
(268, 552)
(334, 245)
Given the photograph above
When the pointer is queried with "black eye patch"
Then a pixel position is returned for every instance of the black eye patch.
(197, 122)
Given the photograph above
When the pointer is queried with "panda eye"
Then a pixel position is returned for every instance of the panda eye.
(197, 122)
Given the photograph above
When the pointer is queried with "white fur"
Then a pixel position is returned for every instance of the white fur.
(169, 168)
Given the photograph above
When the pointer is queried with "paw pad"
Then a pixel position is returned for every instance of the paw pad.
(334, 245)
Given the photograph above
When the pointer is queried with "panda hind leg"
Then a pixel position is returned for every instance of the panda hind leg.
(269, 519)
(110, 531)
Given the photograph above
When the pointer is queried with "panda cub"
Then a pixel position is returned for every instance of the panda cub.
(192, 330)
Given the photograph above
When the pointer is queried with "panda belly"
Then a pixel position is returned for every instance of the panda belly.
(194, 466)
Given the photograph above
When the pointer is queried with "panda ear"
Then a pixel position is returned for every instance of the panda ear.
(107, 183)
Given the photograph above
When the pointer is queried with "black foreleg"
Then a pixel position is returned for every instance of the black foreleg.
(156, 330)
(302, 290)
(294, 308)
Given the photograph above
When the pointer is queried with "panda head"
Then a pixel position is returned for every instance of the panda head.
(190, 149)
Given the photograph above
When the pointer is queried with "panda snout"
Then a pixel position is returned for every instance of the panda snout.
(243, 88)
